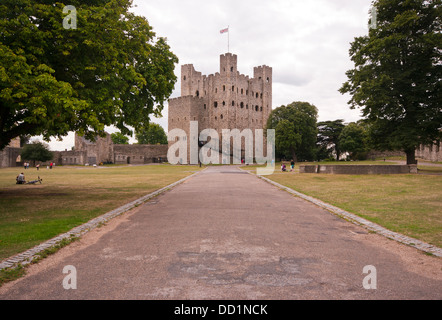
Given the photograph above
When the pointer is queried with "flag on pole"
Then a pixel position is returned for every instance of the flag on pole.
(224, 30)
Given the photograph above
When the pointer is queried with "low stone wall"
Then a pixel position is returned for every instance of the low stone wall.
(358, 169)
(139, 153)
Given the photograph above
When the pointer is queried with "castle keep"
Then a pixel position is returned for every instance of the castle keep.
(225, 100)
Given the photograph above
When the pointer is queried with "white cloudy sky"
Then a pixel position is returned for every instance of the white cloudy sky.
(305, 42)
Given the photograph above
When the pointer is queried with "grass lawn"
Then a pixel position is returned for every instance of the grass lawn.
(406, 203)
(71, 196)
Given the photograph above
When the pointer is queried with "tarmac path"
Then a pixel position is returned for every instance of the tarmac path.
(225, 234)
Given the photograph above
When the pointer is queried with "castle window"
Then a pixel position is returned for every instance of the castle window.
(261, 109)
(222, 117)
(256, 108)
(242, 91)
(184, 78)
(215, 104)
(216, 118)
(224, 88)
(268, 79)
(233, 103)
(261, 95)
(247, 92)
(242, 105)
(224, 103)
(231, 69)
(197, 93)
(205, 107)
(257, 94)
(233, 88)
(247, 106)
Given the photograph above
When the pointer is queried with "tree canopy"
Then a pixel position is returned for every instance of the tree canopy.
(354, 140)
(36, 151)
(119, 138)
(328, 136)
(110, 70)
(396, 79)
(153, 134)
(295, 130)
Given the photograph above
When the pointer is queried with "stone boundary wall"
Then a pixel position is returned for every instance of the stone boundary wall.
(358, 169)
(8, 157)
(139, 153)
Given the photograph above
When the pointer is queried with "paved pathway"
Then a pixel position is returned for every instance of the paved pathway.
(225, 234)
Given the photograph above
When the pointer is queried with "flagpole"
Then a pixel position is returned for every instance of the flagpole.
(228, 39)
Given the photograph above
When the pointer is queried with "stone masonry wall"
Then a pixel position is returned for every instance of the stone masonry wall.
(430, 153)
(225, 100)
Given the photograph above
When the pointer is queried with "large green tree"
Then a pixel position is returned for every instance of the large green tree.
(354, 140)
(153, 134)
(110, 70)
(328, 136)
(295, 130)
(397, 76)
(36, 151)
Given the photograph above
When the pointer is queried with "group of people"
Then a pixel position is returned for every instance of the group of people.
(292, 166)
(20, 179)
(26, 165)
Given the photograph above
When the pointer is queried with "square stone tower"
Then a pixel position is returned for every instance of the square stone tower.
(225, 100)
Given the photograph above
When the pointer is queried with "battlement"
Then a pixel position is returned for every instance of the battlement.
(183, 98)
(263, 72)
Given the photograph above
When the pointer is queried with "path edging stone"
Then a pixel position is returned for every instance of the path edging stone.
(415, 243)
(29, 255)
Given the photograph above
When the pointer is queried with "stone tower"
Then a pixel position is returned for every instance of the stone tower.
(225, 100)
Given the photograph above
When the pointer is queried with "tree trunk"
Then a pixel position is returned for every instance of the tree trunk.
(411, 156)
(294, 157)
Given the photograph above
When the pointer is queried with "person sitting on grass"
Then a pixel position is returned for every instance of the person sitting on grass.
(283, 168)
(21, 179)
